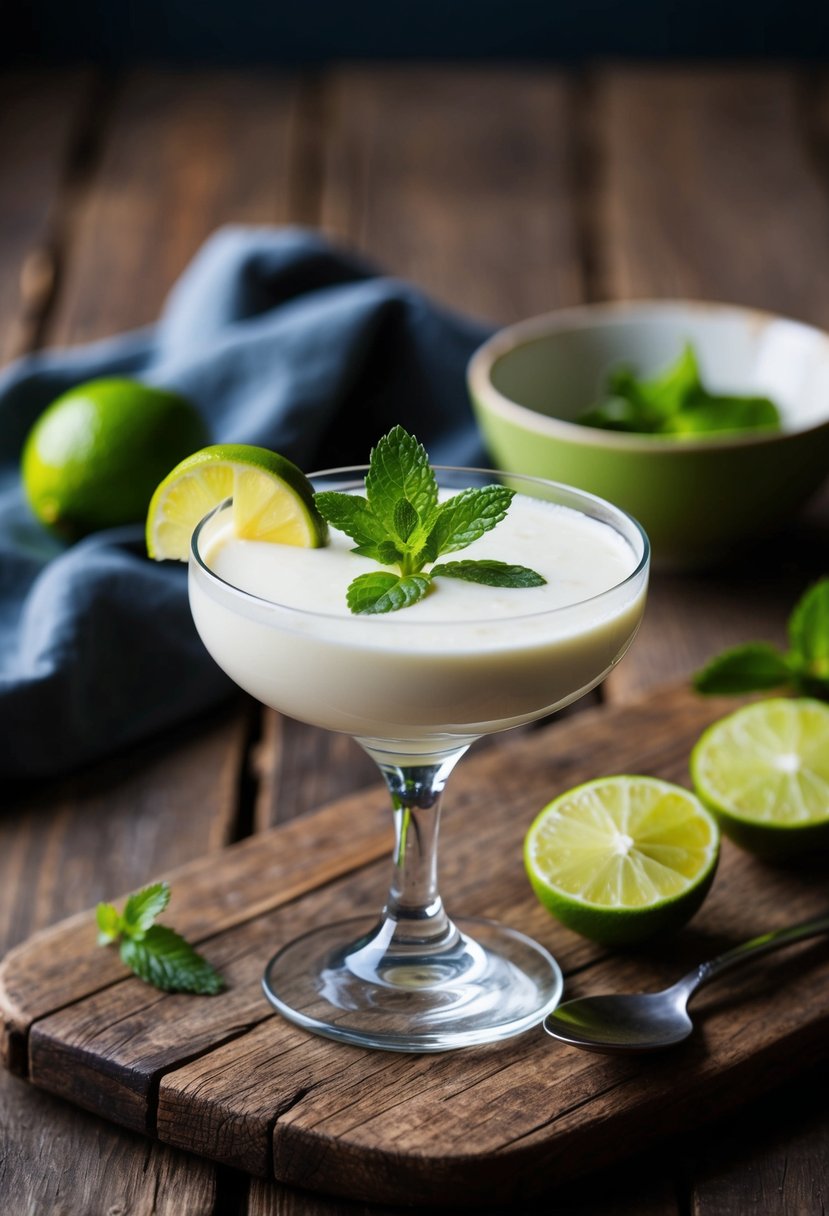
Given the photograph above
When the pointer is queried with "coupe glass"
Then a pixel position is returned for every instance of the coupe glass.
(415, 694)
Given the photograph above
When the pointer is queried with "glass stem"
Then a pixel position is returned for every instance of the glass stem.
(414, 919)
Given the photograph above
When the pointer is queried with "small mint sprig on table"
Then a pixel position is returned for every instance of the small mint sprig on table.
(759, 666)
(400, 523)
(158, 955)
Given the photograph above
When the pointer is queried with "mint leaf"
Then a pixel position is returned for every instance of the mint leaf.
(465, 518)
(109, 924)
(749, 668)
(491, 573)
(406, 518)
(676, 402)
(675, 388)
(352, 515)
(723, 414)
(155, 953)
(386, 553)
(616, 414)
(809, 632)
(399, 469)
(143, 907)
(384, 592)
(165, 960)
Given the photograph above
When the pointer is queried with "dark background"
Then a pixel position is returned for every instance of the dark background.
(309, 31)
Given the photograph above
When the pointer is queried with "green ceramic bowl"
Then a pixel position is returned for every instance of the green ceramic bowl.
(698, 499)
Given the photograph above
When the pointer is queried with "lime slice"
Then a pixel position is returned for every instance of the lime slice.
(272, 500)
(764, 771)
(622, 858)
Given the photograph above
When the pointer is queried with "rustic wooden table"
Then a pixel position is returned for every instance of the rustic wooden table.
(504, 193)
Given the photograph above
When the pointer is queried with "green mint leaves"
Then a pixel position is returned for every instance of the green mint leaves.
(758, 666)
(492, 573)
(156, 954)
(400, 523)
(676, 403)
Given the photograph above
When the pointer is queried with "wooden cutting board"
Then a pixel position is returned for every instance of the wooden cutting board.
(227, 1078)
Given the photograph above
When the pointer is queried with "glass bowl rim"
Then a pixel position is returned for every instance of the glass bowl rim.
(382, 619)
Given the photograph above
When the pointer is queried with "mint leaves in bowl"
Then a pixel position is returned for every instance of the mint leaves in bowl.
(701, 493)
(677, 402)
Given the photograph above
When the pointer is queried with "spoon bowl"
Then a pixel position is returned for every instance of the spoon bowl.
(651, 1021)
(644, 1021)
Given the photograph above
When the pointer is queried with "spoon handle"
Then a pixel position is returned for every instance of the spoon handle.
(763, 944)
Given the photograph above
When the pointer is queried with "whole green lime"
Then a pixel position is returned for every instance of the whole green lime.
(95, 455)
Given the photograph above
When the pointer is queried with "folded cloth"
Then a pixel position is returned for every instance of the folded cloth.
(279, 340)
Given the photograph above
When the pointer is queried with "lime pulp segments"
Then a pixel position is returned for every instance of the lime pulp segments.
(273, 500)
(622, 858)
(764, 772)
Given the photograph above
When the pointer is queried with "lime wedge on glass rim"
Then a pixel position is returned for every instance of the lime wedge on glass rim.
(273, 500)
(764, 772)
(624, 858)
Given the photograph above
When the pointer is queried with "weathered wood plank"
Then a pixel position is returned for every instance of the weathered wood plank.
(714, 185)
(707, 188)
(65, 1162)
(460, 179)
(86, 839)
(776, 1163)
(268, 871)
(299, 768)
(345, 837)
(174, 158)
(626, 1190)
(94, 834)
(346, 1098)
(40, 113)
(229, 1075)
(712, 190)
(187, 152)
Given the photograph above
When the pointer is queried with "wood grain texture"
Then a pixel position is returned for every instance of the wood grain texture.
(772, 1160)
(227, 1078)
(460, 179)
(627, 1189)
(712, 190)
(151, 169)
(185, 153)
(708, 188)
(346, 837)
(63, 1162)
(83, 839)
(40, 116)
(299, 767)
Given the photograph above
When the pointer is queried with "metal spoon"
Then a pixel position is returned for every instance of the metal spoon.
(652, 1020)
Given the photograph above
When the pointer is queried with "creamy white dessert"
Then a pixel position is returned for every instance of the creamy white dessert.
(465, 661)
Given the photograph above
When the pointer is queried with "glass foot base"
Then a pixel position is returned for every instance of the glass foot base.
(488, 983)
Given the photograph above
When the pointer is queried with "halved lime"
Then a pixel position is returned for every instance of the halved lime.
(622, 858)
(764, 772)
(272, 500)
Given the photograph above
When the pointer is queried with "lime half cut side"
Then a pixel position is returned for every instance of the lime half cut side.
(764, 771)
(623, 858)
(273, 500)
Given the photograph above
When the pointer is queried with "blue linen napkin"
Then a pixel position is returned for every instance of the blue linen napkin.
(280, 340)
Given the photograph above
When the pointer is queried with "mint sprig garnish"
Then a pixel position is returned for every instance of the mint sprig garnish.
(400, 522)
(759, 666)
(157, 954)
